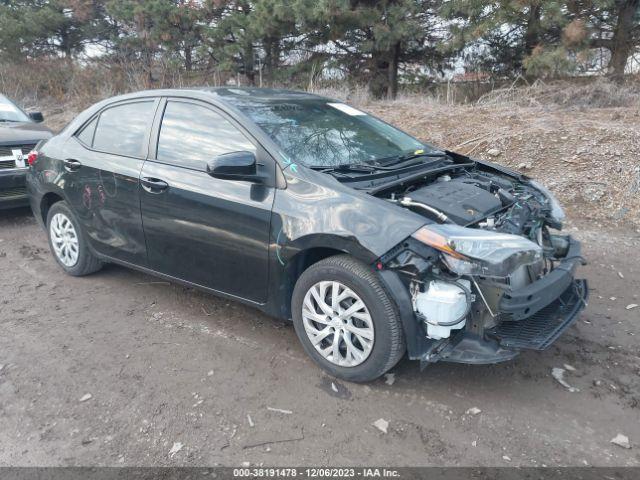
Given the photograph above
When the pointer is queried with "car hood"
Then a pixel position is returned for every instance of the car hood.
(13, 133)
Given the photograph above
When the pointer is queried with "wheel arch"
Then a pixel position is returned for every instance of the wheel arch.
(295, 267)
(47, 201)
(294, 256)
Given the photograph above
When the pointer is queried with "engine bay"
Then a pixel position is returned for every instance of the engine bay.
(480, 199)
(447, 298)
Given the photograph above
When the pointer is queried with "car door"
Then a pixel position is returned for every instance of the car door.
(102, 167)
(208, 231)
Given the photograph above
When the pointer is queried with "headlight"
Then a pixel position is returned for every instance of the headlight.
(469, 251)
(557, 213)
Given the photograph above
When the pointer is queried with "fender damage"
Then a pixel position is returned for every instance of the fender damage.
(349, 221)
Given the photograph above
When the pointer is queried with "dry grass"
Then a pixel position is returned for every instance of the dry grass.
(599, 93)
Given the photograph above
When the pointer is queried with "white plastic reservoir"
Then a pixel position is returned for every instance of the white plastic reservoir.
(443, 303)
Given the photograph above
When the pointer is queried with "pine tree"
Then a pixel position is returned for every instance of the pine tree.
(372, 39)
(34, 28)
(613, 25)
(500, 36)
(154, 29)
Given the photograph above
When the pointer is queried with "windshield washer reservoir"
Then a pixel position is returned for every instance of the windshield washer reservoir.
(443, 306)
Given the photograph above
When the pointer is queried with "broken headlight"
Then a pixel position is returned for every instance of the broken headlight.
(468, 251)
(557, 213)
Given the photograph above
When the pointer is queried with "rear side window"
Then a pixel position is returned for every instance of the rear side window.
(191, 135)
(86, 134)
(122, 129)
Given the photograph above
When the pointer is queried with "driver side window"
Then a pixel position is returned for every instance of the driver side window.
(191, 135)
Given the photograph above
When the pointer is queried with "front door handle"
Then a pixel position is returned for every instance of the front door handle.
(72, 165)
(153, 185)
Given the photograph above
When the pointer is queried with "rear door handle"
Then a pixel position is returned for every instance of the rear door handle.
(153, 185)
(72, 165)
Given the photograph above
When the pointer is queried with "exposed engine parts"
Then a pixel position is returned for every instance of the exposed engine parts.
(462, 202)
(479, 199)
(409, 203)
(447, 297)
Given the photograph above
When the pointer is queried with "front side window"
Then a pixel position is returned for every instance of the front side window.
(9, 112)
(191, 135)
(324, 133)
(122, 129)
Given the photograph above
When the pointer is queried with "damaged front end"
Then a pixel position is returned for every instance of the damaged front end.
(489, 277)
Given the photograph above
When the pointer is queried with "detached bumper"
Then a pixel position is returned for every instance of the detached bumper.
(525, 302)
(543, 328)
(531, 318)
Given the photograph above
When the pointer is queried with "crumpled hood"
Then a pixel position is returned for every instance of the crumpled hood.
(14, 133)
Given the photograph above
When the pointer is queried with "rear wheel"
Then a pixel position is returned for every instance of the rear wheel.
(67, 242)
(346, 320)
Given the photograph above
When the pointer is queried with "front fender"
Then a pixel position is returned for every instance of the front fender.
(317, 209)
(317, 214)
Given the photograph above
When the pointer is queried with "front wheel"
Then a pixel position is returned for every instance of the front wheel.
(346, 320)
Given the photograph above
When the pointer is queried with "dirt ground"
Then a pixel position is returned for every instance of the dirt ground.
(167, 366)
(178, 377)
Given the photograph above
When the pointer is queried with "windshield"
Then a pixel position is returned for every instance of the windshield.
(324, 133)
(10, 113)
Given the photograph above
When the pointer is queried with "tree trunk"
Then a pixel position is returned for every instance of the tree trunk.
(268, 59)
(65, 42)
(249, 67)
(148, 78)
(532, 33)
(622, 42)
(188, 58)
(392, 88)
(383, 82)
(271, 57)
(379, 80)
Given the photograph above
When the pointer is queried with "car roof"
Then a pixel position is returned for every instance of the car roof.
(226, 98)
(228, 95)
(260, 94)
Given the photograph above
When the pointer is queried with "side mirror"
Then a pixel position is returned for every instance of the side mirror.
(234, 166)
(36, 117)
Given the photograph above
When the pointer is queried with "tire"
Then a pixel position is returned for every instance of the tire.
(85, 261)
(388, 344)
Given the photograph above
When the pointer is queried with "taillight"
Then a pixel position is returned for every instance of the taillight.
(32, 158)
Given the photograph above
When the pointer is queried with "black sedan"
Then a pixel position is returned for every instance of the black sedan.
(19, 134)
(373, 243)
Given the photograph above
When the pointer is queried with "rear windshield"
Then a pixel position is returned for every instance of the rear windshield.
(324, 133)
(10, 113)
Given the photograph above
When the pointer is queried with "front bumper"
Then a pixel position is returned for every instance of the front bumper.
(525, 302)
(13, 191)
(505, 341)
(531, 317)
(541, 329)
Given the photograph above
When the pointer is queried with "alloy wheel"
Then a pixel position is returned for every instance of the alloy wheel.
(338, 324)
(64, 239)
